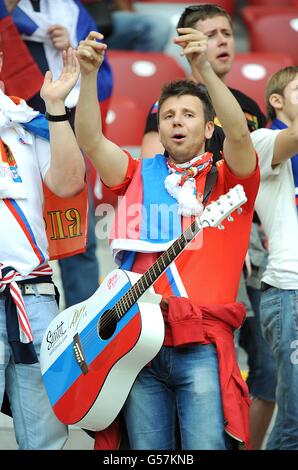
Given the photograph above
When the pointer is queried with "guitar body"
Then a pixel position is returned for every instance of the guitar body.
(90, 359)
(92, 352)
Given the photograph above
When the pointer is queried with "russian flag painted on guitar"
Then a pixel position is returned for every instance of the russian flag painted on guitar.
(80, 349)
(92, 352)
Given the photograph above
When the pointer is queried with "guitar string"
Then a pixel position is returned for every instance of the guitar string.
(193, 228)
(93, 333)
(186, 237)
(160, 258)
(85, 339)
(129, 295)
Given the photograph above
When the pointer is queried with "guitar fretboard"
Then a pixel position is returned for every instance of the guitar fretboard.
(153, 273)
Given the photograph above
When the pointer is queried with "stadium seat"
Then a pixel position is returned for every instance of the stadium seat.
(270, 3)
(272, 29)
(140, 75)
(228, 5)
(250, 73)
(125, 122)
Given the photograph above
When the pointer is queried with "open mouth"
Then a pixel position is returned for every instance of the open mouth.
(223, 56)
(178, 137)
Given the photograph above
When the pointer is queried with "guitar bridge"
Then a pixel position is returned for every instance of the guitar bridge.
(79, 354)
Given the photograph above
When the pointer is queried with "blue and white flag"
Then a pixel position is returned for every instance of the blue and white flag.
(33, 25)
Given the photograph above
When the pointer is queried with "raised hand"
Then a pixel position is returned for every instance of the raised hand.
(59, 36)
(57, 90)
(193, 44)
(90, 53)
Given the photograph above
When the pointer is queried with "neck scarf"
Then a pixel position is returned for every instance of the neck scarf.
(277, 124)
(181, 183)
(13, 112)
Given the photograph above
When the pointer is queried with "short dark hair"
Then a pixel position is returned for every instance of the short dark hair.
(187, 87)
(201, 12)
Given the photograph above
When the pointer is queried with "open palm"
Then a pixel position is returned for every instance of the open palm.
(60, 88)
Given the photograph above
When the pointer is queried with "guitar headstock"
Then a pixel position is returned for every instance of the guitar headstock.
(218, 210)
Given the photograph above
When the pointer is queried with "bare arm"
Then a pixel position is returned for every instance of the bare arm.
(238, 149)
(109, 159)
(286, 144)
(65, 177)
(151, 145)
(11, 4)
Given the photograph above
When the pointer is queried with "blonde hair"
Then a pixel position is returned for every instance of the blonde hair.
(277, 84)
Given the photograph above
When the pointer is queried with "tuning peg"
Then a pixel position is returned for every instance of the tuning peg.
(230, 218)
(239, 210)
(220, 227)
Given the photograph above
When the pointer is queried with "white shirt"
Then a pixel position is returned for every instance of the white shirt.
(16, 250)
(275, 205)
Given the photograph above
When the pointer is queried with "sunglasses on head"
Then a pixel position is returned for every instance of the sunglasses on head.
(190, 9)
(195, 7)
(187, 11)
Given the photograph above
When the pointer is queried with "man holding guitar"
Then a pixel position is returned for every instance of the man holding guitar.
(194, 379)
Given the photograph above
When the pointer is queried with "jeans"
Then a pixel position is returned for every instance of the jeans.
(138, 32)
(35, 424)
(261, 380)
(179, 384)
(279, 320)
(80, 273)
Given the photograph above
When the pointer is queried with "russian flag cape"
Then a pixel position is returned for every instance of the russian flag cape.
(66, 219)
(73, 15)
(147, 219)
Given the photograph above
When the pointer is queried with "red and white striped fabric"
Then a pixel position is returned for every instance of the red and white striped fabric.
(10, 279)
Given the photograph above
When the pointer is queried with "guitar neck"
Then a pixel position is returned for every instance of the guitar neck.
(156, 270)
(212, 216)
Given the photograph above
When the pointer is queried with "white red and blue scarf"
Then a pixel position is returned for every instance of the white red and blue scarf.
(148, 219)
(181, 183)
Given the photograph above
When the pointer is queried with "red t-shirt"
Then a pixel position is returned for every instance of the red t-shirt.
(210, 274)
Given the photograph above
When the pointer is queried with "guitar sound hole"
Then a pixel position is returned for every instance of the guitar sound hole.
(107, 324)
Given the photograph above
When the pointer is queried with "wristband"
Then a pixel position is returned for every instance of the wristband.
(58, 117)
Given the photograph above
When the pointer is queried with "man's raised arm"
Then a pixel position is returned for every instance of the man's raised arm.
(65, 176)
(109, 159)
(238, 148)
